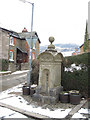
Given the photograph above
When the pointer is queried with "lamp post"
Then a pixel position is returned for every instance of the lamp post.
(31, 45)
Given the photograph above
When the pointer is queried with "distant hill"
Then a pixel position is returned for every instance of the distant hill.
(61, 47)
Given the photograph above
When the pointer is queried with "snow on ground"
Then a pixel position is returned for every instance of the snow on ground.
(6, 93)
(7, 113)
(80, 113)
(22, 104)
(73, 67)
(5, 71)
(19, 102)
(12, 99)
(18, 72)
(86, 111)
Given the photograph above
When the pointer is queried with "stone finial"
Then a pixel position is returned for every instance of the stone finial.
(51, 40)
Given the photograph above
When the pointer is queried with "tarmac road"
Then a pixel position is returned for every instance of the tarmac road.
(11, 80)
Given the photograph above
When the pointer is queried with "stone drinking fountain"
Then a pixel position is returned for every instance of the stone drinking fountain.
(49, 86)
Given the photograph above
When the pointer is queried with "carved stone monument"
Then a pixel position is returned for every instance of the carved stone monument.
(49, 85)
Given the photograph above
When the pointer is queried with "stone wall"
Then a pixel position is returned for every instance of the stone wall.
(23, 45)
(0, 44)
(4, 42)
(18, 43)
(12, 67)
(24, 66)
(0, 49)
(37, 48)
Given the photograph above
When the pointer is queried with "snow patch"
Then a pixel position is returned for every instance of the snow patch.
(78, 115)
(5, 71)
(7, 113)
(18, 72)
(73, 68)
(85, 111)
(20, 102)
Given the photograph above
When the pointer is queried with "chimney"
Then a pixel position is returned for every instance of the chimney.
(24, 30)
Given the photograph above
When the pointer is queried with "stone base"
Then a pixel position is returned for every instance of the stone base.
(51, 98)
(45, 99)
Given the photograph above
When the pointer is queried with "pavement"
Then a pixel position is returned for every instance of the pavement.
(8, 79)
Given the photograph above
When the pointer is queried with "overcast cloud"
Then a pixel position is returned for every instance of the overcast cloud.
(63, 19)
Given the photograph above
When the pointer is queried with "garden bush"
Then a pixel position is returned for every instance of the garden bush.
(78, 79)
(34, 72)
(4, 64)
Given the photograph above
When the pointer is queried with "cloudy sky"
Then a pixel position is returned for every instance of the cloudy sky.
(63, 19)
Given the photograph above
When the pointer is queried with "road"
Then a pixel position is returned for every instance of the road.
(8, 81)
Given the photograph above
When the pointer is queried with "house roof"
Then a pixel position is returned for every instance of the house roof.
(81, 45)
(23, 51)
(22, 35)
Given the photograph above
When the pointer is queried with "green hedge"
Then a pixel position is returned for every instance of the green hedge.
(78, 79)
(4, 64)
(79, 59)
(35, 72)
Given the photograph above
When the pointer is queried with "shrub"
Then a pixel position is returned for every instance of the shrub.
(78, 79)
(34, 72)
(4, 63)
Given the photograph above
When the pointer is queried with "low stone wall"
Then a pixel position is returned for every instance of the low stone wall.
(24, 66)
(12, 67)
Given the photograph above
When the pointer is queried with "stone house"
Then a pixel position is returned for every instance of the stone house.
(15, 49)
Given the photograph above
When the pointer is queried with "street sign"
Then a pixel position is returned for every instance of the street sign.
(31, 42)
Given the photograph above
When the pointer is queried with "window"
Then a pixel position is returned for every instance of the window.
(11, 55)
(33, 55)
(34, 47)
(11, 41)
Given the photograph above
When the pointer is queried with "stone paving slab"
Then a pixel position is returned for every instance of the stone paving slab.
(76, 109)
(73, 111)
(25, 112)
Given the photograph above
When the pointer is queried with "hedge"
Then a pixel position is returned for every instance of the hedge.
(4, 64)
(78, 79)
(34, 72)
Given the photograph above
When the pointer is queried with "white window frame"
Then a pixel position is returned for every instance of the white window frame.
(11, 41)
(11, 55)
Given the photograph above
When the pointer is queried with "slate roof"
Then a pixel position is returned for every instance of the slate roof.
(22, 50)
(24, 35)
(81, 45)
(21, 35)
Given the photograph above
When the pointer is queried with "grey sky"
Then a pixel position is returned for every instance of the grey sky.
(63, 19)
